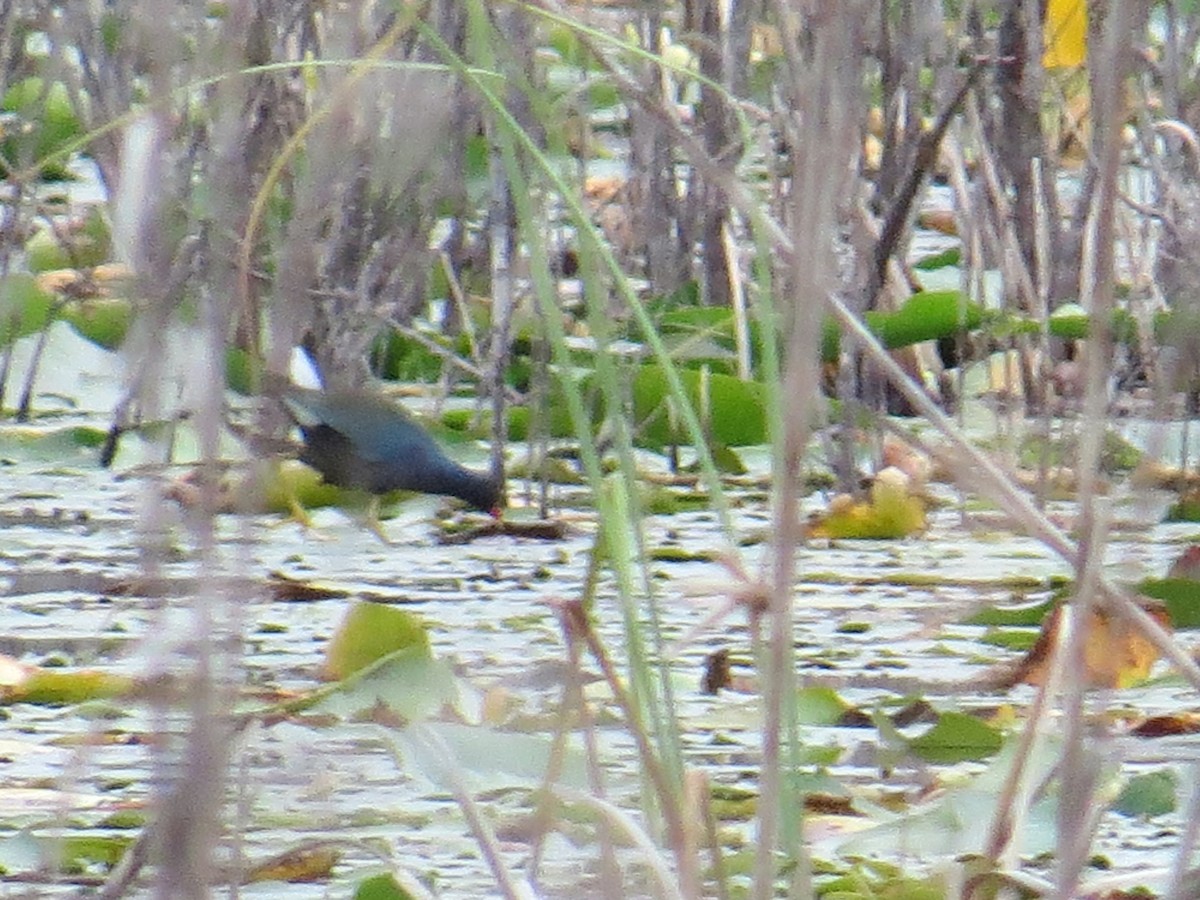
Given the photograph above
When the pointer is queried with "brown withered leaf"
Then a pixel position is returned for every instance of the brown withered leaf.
(1116, 654)
(311, 862)
(284, 588)
(1167, 726)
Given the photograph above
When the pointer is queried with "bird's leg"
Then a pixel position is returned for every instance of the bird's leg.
(298, 513)
(373, 522)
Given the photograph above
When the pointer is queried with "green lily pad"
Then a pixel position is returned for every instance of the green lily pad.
(55, 687)
(819, 706)
(951, 256)
(736, 413)
(46, 122)
(957, 737)
(381, 887)
(1001, 616)
(104, 322)
(1149, 794)
(1182, 597)
(24, 307)
(369, 632)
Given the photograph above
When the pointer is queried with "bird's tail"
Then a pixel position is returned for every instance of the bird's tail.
(303, 369)
(302, 373)
(274, 385)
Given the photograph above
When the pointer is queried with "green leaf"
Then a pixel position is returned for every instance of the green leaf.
(24, 307)
(381, 887)
(76, 443)
(1185, 509)
(1001, 616)
(104, 322)
(240, 372)
(951, 256)
(396, 357)
(1149, 794)
(370, 631)
(819, 706)
(1181, 595)
(54, 687)
(44, 122)
(955, 738)
(736, 409)
(727, 461)
(1070, 322)
(925, 316)
(1019, 640)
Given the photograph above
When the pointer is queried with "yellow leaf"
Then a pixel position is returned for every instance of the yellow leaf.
(62, 686)
(310, 863)
(1065, 34)
(893, 511)
(1116, 655)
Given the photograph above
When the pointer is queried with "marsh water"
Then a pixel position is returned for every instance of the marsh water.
(878, 621)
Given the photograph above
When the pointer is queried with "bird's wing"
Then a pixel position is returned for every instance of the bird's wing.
(378, 429)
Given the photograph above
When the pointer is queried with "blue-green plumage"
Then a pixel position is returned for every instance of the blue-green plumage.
(362, 441)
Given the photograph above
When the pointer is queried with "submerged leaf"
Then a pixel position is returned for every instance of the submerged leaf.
(408, 684)
(303, 864)
(446, 753)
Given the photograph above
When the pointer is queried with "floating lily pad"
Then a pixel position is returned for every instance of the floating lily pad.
(45, 123)
(24, 307)
(369, 632)
(1181, 595)
(381, 887)
(1002, 616)
(820, 706)
(55, 687)
(957, 737)
(1149, 794)
(951, 256)
(103, 321)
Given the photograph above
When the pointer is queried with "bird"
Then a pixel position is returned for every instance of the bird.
(360, 440)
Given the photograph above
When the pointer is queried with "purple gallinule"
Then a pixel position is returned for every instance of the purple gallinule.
(362, 441)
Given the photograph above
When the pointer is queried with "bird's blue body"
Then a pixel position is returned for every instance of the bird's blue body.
(362, 441)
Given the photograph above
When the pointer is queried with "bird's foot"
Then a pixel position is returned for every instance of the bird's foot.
(298, 514)
(376, 529)
(374, 524)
